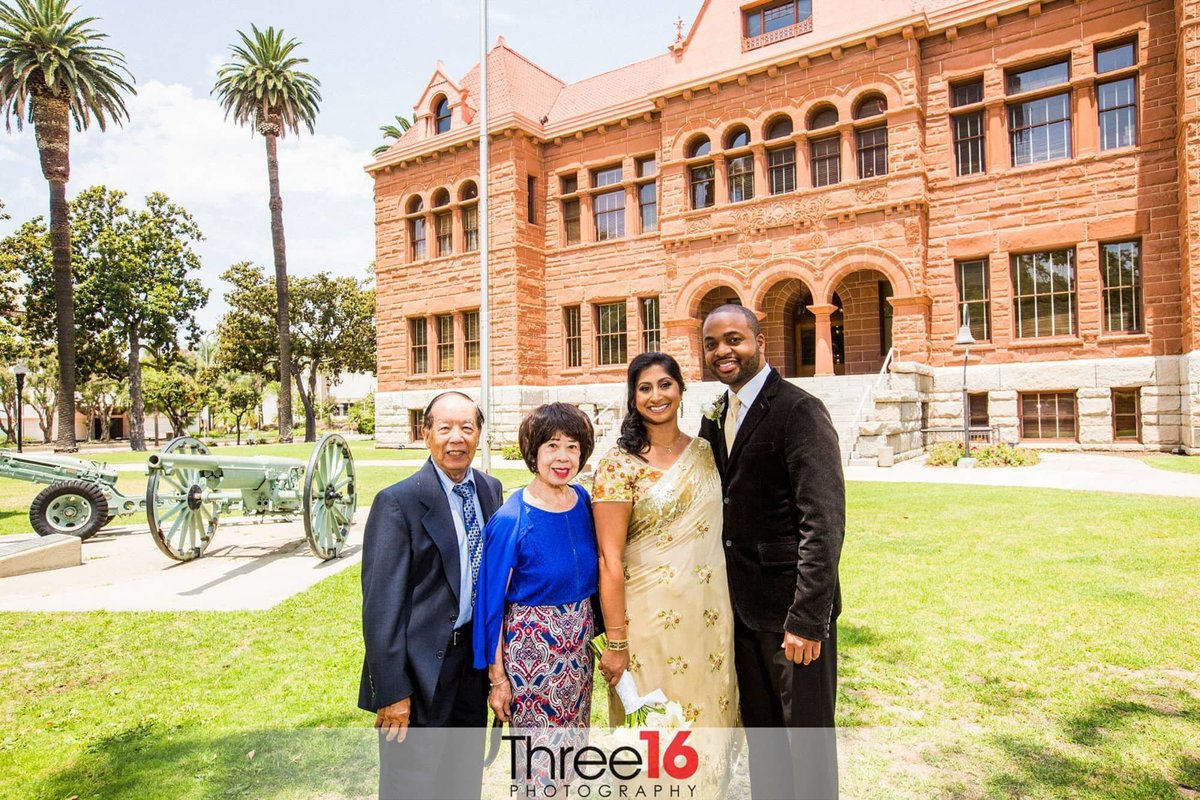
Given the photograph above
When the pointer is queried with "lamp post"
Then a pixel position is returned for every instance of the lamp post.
(20, 370)
(965, 340)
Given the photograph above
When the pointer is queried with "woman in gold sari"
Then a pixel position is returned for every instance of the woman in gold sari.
(658, 514)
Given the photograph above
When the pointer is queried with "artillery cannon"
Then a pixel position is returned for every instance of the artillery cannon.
(189, 489)
(81, 498)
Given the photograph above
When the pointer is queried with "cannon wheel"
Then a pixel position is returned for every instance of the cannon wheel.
(181, 523)
(329, 496)
(76, 508)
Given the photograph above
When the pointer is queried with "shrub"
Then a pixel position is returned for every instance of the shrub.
(362, 415)
(510, 452)
(947, 454)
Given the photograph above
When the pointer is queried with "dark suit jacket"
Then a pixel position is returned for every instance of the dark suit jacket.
(785, 511)
(410, 584)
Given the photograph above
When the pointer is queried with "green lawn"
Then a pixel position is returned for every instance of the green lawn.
(362, 449)
(1189, 464)
(995, 643)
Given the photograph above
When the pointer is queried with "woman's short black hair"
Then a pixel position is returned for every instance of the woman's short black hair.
(545, 422)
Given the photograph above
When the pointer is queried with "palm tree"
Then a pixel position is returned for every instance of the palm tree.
(262, 87)
(393, 132)
(53, 70)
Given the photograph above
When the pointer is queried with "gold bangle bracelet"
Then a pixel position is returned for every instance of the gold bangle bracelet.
(618, 644)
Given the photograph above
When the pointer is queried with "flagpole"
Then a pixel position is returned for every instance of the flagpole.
(485, 339)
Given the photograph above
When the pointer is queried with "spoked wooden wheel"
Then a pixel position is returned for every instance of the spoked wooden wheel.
(181, 522)
(329, 496)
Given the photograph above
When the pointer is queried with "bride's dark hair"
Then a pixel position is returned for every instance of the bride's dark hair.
(634, 439)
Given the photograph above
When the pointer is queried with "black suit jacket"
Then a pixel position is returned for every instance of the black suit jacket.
(410, 585)
(785, 511)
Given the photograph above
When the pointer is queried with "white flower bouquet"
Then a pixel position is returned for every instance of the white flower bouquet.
(639, 708)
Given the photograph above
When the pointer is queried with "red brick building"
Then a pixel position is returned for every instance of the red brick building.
(855, 173)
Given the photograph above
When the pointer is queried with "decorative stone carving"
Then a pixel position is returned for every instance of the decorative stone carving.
(865, 195)
(745, 251)
(700, 225)
(912, 231)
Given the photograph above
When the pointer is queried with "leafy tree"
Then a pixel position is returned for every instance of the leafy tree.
(98, 398)
(41, 386)
(174, 390)
(394, 132)
(240, 397)
(362, 415)
(333, 329)
(54, 70)
(262, 87)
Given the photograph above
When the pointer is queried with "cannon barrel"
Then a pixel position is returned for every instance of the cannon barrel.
(234, 472)
(48, 468)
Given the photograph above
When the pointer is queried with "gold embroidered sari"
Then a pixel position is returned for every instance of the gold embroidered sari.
(676, 595)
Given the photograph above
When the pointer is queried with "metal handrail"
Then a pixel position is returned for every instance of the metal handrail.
(862, 404)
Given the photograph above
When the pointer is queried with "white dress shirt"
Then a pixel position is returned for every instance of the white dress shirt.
(460, 528)
(748, 394)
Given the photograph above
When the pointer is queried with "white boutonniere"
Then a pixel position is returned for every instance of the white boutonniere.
(715, 410)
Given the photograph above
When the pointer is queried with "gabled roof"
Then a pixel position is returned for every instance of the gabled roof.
(515, 85)
(638, 80)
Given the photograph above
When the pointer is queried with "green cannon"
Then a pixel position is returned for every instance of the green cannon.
(81, 498)
(189, 489)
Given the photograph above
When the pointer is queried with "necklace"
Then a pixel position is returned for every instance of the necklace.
(671, 447)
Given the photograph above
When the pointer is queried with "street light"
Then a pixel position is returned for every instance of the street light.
(20, 370)
(965, 339)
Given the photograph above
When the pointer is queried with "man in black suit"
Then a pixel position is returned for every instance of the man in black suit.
(420, 564)
(785, 512)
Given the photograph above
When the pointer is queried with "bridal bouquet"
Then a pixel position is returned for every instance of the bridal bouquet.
(638, 707)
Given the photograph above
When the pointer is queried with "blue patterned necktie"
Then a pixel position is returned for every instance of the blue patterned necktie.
(466, 491)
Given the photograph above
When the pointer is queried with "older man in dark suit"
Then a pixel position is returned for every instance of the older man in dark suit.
(421, 551)
(785, 511)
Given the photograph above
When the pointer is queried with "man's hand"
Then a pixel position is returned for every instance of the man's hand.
(800, 650)
(395, 719)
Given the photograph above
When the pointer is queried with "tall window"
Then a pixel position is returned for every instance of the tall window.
(568, 186)
(1117, 98)
(418, 345)
(968, 127)
(781, 161)
(775, 22)
(441, 116)
(609, 213)
(445, 342)
(701, 177)
(826, 157)
(1048, 415)
(872, 152)
(573, 340)
(531, 199)
(471, 340)
(651, 328)
(978, 409)
(972, 279)
(1127, 415)
(1044, 293)
(416, 424)
(611, 343)
(443, 226)
(470, 217)
(1121, 270)
(741, 178)
(416, 238)
(647, 194)
(1040, 129)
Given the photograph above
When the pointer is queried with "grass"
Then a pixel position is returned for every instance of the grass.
(1188, 464)
(362, 449)
(995, 643)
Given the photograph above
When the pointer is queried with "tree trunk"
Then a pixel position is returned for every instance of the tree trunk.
(308, 401)
(51, 127)
(137, 404)
(239, 430)
(281, 289)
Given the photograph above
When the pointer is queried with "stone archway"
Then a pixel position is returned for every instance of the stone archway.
(713, 299)
(861, 299)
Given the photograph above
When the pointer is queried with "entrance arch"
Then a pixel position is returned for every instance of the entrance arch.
(861, 298)
(791, 329)
(714, 298)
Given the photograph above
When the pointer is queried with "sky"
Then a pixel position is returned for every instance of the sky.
(373, 59)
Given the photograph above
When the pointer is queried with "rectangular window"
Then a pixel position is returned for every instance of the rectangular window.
(443, 225)
(741, 178)
(1040, 130)
(651, 328)
(702, 185)
(826, 157)
(1044, 293)
(781, 169)
(972, 279)
(569, 184)
(646, 167)
(445, 342)
(1121, 271)
(609, 212)
(1048, 415)
(418, 346)
(606, 176)
(470, 223)
(611, 343)
(965, 94)
(573, 340)
(648, 206)
(968, 143)
(416, 424)
(531, 199)
(571, 221)
(471, 340)
(1117, 101)
(776, 17)
(1028, 80)
(1117, 56)
(416, 237)
(978, 404)
(872, 152)
(1127, 415)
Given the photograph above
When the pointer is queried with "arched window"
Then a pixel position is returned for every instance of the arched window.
(701, 177)
(468, 191)
(823, 117)
(441, 198)
(779, 128)
(443, 222)
(871, 105)
(737, 137)
(416, 228)
(700, 146)
(441, 115)
(415, 205)
(467, 195)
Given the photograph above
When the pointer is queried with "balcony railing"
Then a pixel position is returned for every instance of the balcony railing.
(777, 35)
